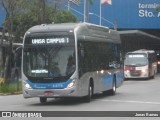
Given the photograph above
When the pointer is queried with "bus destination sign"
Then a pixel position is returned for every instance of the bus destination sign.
(50, 41)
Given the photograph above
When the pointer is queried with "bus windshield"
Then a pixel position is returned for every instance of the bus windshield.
(136, 60)
(49, 60)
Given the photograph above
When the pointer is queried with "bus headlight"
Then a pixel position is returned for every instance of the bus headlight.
(27, 86)
(72, 83)
(127, 71)
(144, 70)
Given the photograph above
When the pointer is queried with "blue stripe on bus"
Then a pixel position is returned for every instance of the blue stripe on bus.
(119, 77)
(107, 80)
(61, 85)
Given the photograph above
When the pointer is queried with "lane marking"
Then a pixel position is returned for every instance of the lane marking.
(141, 102)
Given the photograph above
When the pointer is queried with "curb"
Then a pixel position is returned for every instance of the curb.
(6, 94)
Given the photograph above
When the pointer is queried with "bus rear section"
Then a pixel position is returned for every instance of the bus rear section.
(140, 64)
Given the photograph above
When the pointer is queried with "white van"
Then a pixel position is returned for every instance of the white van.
(140, 64)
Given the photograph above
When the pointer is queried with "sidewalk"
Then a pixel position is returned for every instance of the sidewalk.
(15, 93)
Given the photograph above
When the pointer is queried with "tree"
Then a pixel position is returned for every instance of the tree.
(63, 16)
(31, 16)
(10, 7)
(22, 14)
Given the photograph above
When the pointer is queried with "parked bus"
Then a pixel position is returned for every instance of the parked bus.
(70, 60)
(140, 64)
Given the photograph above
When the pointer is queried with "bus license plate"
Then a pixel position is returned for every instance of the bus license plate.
(48, 93)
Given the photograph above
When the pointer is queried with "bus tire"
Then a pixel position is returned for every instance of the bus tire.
(113, 90)
(90, 92)
(43, 99)
(149, 76)
(153, 75)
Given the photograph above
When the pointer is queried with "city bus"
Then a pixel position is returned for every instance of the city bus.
(70, 60)
(140, 64)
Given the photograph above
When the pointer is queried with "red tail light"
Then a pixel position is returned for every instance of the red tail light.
(129, 68)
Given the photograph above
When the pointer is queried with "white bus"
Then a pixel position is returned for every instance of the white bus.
(140, 64)
(70, 60)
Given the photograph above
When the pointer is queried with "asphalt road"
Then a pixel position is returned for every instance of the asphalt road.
(133, 95)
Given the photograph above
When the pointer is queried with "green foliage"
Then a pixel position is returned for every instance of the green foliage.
(29, 18)
(28, 13)
(10, 88)
(63, 16)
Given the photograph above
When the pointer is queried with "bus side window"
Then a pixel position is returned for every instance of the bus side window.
(81, 56)
(150, 59)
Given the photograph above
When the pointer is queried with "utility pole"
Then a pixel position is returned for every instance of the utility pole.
(84, 10)
(68, 5)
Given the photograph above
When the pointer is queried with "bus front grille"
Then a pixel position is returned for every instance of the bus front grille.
(135, 72)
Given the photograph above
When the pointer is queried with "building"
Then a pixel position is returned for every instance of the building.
(137, 20)
(2, 16)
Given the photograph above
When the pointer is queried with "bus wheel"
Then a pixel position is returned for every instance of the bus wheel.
(43, 99)
(113, 90)
(90, 92)
(153, 75)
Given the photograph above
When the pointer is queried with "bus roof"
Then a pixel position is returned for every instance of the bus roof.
(142, 51)
(53, 27)
(82, 29)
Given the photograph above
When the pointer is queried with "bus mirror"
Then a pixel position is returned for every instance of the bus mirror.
(114, 64)
(19, 50)
(111, 65)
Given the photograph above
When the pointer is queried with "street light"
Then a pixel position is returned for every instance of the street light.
(103, 19)
(70, 8)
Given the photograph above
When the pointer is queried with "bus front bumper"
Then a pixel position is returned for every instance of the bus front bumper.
(52, 93)
(135, 75)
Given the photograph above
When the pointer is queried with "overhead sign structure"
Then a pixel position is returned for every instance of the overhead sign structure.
(77, 2)
(128, 14)
(125, 14)
(2, 15)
